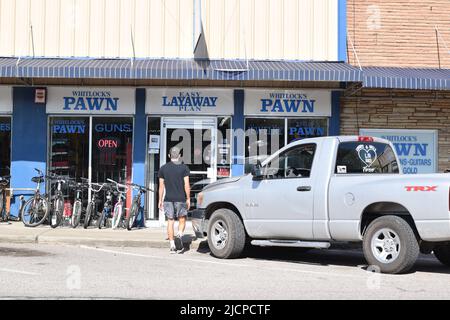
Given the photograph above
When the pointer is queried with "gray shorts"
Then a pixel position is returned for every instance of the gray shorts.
(174, 210)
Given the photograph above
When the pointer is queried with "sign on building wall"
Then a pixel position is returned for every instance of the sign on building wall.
(189, 101)
(417, 149)
(85, 100)
(6, 102)
(288, 103)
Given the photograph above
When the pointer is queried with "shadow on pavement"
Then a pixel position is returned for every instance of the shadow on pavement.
(338, 255)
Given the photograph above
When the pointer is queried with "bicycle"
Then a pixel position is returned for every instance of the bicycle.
(35, 210)
(136, 205)
(119, 207)
(4, 183)
(56, 214)
(91, 208)
(77, 204)
(107, 207)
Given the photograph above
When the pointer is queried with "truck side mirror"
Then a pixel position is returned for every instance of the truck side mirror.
(257, 171)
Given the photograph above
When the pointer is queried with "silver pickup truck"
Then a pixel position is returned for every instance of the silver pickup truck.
(316, 192)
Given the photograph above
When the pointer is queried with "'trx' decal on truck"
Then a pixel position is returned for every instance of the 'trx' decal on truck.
(421, 188)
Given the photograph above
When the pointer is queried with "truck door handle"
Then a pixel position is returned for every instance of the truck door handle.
(304, 188)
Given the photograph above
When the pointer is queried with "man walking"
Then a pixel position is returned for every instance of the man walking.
(174, 180)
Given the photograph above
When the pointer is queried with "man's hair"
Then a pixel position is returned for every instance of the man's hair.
(174, 153)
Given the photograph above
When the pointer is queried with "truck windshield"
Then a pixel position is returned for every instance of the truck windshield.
(365, 157)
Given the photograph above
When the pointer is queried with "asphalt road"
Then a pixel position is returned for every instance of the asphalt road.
(48, 271)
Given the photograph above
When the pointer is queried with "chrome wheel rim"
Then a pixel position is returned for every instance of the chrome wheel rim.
(219, 234)
(386, 245)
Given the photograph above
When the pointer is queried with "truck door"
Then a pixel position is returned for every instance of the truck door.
(281, 204)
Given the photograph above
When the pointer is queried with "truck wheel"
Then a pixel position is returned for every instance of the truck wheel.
(226, 234)
(442, 253)
(391, 245)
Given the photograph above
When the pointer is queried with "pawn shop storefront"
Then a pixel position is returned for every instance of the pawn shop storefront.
(199, 122)
(275, 118)
(91, 133)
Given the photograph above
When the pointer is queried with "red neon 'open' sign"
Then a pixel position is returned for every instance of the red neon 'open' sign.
(107, 144)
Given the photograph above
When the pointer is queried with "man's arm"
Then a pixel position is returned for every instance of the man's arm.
(187, 189)
(161, 192)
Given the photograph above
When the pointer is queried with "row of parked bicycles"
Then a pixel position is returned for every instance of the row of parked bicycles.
(41, 208)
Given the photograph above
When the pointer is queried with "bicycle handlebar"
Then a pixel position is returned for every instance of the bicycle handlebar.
(139, 187)
(119, 185)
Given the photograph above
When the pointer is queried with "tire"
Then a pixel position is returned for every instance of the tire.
(117, 217)
(129, 222)
(226, 234)
(442, 253)
(76, 214)
(2, 205)
(37, 211)
(391, 245)
(57, 213)
(88, 216)
(101, 219)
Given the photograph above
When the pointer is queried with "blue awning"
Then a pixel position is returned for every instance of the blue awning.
(406, 78)
(178, 69)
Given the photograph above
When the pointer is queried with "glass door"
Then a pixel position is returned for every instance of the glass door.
(196, 138)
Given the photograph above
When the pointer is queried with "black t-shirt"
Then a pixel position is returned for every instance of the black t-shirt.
(173, 175)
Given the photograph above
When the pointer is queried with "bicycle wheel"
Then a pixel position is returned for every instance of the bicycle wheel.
(117, 217)
(100, 221)
(132, 216)
(57, 212)
(34, 212)
(89, 212)
(76, 214)
(2, 205)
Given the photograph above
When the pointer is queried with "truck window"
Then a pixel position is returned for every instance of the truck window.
(365, 157)
(295, 162)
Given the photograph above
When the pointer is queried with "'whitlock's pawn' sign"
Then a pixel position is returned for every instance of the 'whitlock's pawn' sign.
(90, 100)
(288, 102)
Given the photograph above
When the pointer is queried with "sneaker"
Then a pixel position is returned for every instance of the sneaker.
(173, 250)
(178, 243)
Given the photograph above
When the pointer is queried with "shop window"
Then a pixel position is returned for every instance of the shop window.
(154, 144)
(112, 149)
(263, 137)
(224, 136)
(69, 151)
(306, 128)
(5, 145)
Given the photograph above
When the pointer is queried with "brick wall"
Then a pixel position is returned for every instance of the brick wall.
(399, 109)
(399, 32)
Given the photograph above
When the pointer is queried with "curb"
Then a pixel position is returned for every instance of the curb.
(96, 242)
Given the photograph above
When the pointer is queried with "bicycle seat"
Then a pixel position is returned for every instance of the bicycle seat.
(37, 179)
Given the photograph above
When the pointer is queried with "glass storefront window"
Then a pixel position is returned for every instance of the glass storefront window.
(266, 136)
(112, 149)
(262, 138)
(224, 136)
(5, 145)
(306, 128)
(154, 145)
(69, 154)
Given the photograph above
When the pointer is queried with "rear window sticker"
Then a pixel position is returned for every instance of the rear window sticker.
(367, 154)
(341, 169)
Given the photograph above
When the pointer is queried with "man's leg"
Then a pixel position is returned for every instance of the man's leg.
(170, 231)
(181, 225)
(169, 212)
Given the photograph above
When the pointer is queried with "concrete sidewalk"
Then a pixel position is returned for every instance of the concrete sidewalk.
(154, 237)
